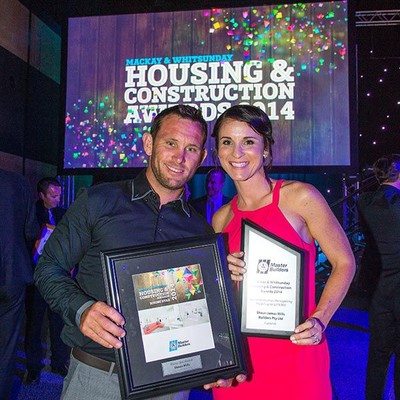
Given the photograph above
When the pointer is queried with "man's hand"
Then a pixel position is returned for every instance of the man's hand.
(102, 324)
(225, 383)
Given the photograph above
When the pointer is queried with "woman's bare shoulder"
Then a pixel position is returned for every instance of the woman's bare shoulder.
(298, 191)
(296, 195)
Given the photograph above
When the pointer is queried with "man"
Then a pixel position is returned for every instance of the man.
(18, 226)
(47, 212)
(380, 218)
(209, 204)
(149, 208)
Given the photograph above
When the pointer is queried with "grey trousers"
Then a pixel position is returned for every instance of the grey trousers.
(87, 383)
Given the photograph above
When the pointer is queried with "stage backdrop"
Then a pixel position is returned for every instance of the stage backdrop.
(290, 60)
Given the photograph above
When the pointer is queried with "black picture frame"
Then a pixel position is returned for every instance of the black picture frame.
(182, 329)
(272, 290)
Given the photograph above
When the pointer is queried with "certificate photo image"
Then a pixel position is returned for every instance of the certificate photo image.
(173, 312)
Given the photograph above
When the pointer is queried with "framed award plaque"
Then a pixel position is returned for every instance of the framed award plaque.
(271, 292)
(181, 326)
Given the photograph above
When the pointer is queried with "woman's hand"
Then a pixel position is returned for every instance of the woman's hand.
(308, 333)
(236, 265)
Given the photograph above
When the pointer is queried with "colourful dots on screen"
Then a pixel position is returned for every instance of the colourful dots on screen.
(254, 33)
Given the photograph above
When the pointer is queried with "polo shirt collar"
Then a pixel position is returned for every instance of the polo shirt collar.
(141, 188)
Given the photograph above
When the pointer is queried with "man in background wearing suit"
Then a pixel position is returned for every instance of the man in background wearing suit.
(47, 212)
(379, 213)
(209, 204)
(18, 226)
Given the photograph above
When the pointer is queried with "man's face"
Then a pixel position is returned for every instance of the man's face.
(215, 183)
(52, 196)
(175, 154)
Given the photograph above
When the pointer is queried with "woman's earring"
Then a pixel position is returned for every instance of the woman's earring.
(265, 155)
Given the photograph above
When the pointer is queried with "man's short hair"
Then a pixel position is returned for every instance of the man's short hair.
(387, 168)
(183, 111)
(216, 170)
(44, 183)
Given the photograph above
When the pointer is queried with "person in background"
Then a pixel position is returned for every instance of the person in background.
(379, 214)
(207, 205)
(47, 212)
(297, 213)
(18, 228)
(152, 207)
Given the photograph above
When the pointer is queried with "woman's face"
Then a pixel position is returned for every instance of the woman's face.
(241, 150)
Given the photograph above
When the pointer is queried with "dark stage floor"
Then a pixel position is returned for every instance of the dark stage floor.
(347, 334)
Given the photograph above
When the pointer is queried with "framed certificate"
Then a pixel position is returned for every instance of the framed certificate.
(272, 288)
(181, 325)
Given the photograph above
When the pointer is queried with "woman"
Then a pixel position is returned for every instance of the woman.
(295, 211)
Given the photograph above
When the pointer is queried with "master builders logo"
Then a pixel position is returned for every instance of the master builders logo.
(263, 266)
(177, 344)
(173, 345)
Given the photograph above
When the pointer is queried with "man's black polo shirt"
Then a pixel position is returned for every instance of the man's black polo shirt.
(104, 217)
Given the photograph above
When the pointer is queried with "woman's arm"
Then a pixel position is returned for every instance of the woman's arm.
(321, 225)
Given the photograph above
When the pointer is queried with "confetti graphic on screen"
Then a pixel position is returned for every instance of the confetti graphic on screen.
(290, 60)
(95, 140)
(267, 32)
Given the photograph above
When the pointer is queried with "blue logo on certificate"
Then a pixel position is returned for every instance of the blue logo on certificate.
(173, 345)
